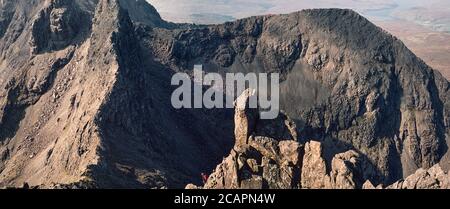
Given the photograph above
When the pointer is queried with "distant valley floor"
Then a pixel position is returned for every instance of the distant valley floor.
(432, 46)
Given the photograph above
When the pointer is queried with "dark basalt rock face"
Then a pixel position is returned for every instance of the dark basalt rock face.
(346, 82)
(91, 103)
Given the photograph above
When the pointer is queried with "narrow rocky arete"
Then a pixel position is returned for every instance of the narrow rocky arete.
(85, 100)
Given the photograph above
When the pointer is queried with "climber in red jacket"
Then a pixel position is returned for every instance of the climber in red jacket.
(205, 178)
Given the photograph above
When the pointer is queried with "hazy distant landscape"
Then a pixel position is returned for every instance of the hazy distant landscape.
(432, 13)
(423, 25)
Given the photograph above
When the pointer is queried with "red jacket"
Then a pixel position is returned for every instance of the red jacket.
(205, 178)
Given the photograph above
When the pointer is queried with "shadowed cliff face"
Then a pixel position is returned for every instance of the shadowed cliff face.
(85, 92)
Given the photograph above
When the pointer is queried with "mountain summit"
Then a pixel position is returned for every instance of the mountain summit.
(85, 94)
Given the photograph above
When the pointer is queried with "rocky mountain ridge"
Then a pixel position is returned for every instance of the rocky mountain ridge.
(85, 97)
(346, 82)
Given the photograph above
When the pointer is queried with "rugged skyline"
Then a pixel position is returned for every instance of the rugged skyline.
(433, 13)
(423, 25)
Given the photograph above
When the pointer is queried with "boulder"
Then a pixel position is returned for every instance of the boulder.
(314, 172)
(192, 186)
(343, 167)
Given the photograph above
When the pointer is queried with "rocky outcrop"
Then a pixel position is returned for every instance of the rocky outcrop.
(261, 165)
(57, 25)
(314, 170)
(347, 169)
(261, 162)
(257, 161)
(433, 178)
